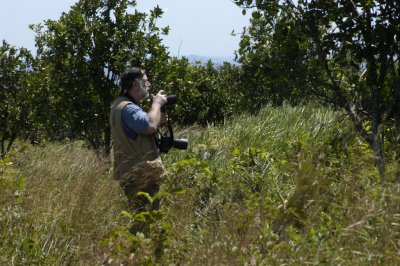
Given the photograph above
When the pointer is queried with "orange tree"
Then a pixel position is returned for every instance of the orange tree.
(206, 93)
(342, 52)
(15, 98)
(82, 55)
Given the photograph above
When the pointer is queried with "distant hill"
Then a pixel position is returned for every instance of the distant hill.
(218, 60)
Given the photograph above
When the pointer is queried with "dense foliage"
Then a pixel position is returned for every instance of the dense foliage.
(344, 53)
(83, 53)
(15, 94)
(206, 93)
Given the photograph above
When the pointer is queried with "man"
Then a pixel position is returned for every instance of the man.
(137, 162)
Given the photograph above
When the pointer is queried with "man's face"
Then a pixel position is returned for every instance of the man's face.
(143, 88)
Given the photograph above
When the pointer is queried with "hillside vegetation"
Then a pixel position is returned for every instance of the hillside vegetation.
(290, 185)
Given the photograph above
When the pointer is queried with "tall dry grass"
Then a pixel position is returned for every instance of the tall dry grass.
(70, 203)
(289, 186)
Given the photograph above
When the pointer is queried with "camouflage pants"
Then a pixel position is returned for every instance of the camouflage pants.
(146, 177)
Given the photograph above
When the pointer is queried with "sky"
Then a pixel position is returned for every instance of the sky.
(197, 27)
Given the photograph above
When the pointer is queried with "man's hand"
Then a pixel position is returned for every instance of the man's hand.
(160, 98)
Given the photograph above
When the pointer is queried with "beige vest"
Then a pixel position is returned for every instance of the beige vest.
(128, 152)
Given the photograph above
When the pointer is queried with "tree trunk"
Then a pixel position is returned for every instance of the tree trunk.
(107, 139)
(379, 159)
(396, 95)
(11, 142)
(397, 128)
(2, 150)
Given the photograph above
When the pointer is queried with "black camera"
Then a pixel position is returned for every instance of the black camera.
(168, 142)
(171, 100)
(165, 141)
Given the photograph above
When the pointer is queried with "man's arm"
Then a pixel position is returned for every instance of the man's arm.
(155, 115)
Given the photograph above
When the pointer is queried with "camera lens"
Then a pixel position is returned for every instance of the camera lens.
(181, 144)
(171, 99)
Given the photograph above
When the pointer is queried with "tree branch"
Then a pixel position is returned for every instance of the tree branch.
(342, 101)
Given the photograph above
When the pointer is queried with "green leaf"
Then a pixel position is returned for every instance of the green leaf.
(160, 195)
(141, 217)
(127, 214)
(141, 193)
(178, 191)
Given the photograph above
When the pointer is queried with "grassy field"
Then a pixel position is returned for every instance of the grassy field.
(289, 186)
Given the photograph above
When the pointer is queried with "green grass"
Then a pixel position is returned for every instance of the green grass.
(289, 186)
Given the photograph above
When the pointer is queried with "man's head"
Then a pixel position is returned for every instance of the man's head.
(135, 84)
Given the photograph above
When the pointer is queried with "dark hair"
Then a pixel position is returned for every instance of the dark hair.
(128, 77)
